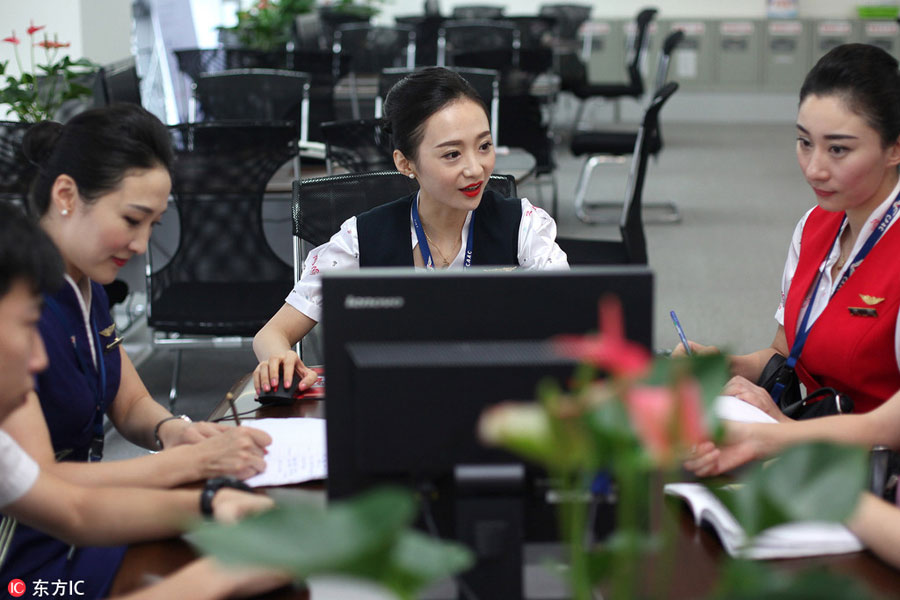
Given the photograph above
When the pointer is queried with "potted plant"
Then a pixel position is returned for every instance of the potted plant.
(37, 93)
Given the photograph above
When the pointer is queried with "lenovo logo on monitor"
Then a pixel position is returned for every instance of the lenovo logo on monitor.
(352, 302)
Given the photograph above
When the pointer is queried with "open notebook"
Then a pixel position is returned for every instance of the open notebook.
(789, 540)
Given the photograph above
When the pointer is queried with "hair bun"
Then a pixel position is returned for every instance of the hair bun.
(40, 141)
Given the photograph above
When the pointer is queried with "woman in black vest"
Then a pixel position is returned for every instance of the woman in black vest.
(441, 135)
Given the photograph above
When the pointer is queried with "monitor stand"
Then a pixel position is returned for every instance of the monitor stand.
(489, 510)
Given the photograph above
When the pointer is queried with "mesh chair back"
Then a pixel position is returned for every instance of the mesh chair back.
(638, 46)
(254, 94)
(308, 32)
(224, 278)
(373, 48)
(477, 12)
(478, 43)
(665, 57)
(485, 81)
(324, 68)
(569, 18)
(320, 205)
(321, 65)
(16, 172)
(358, 145)
(330, 19)
(119, 82)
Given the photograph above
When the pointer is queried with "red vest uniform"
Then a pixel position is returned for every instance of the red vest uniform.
(852, 353)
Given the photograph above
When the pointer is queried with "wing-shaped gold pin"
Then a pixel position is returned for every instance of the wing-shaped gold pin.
(871, 300)
(108, 331)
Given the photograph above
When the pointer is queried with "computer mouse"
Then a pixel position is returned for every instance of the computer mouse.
(279, 396)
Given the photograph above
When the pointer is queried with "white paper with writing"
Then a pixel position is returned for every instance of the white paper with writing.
(297, 452)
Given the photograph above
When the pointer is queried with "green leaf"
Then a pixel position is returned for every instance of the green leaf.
(747, 580)
(818, 481)
(307, 539)
(418, 559)
(365, 537)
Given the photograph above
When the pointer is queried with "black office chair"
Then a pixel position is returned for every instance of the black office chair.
(611, 146)
(357, 145)
(119, 82)
(633, 87)
(224, 281)
(264, 95)
(253, 94)
(426, 27)
(16, 172)
(323, 66)
(566, 45)
(494, 42)
(373, 48)
(331, 17)
(632, 248)
(475, 11)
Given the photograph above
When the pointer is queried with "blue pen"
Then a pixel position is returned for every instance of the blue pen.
(680, 331)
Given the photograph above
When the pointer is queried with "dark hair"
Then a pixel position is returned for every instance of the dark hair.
(415, 98)
(96, 148)
(866, 78)
(26, 253)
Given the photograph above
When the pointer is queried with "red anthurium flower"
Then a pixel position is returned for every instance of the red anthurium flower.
(608, 350)
(32, 30)
(51, 44)
(12, 39)
(666, 421)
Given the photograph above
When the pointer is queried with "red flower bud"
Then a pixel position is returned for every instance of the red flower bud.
(12, 39)
(32, 30)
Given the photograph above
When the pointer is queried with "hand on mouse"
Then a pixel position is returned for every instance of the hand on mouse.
(267, 373)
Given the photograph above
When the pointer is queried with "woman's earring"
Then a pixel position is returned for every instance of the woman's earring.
(64, 212)
(412, 175)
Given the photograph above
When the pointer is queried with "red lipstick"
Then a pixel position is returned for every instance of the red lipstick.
(120, 261)
(822, 193)
(472, 190)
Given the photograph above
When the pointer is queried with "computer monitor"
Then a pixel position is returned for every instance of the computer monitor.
(412, 360)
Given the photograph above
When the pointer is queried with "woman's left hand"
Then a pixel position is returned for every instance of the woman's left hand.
(751, 393)
(177, 432)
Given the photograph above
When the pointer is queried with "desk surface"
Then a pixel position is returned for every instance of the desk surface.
(698, 551)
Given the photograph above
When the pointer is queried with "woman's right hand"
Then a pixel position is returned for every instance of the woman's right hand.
(741, 445)
(268, 372)
(239, 452)
(695, 349)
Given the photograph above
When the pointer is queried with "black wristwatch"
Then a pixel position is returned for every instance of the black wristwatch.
(159, 444)
(214, 485)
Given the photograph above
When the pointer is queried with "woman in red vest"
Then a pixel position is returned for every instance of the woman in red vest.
(841, 284)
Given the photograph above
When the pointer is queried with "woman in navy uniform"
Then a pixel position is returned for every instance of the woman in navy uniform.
(103, 181)
(441, 136)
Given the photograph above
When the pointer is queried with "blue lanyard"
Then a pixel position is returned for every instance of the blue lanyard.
(96, 380)
(803, 331)
(423, 241)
